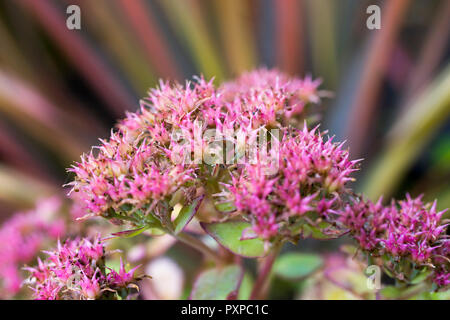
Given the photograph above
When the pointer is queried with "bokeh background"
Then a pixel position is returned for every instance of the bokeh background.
(61, 90)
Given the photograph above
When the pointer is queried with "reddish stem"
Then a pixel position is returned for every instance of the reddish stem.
(261, 285)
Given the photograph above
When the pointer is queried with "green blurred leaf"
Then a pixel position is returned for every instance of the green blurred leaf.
(295, 266)
(238, 43)
(218, 283)
(440, 155)
(409, 292)
(246, 287)
(409, 136)
(188, 20)
(229, 235)
(391, 292)
(420, 276)
(322, 32)
(444, 295)
(225, 207)
(20, 189)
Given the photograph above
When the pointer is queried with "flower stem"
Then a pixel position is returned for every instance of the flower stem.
(199, 245)
(261, 285)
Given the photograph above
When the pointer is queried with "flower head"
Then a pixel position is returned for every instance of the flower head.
(127, 174)
(309, 180)
(270, 97)
(133, 175)
(76, 270)
(405, 231)
(22, 237)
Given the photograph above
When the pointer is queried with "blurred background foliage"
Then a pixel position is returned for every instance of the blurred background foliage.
(60, 89)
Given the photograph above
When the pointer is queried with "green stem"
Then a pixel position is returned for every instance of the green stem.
(261, 285)
(198, 245)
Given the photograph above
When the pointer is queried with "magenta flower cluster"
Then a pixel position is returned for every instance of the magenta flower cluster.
(404, 231)
(22, 237)
(309, 183)
(76, 271)
(269, 97)
(296, 186)
(133, 175)
(126, 173)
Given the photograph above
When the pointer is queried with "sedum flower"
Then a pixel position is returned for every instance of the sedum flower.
(122, 278)
(134, 173)
(76, 271)
(153, 155)
(22, 237)
(308, 183)
(408, 235)
(271, 97)
(127, 179)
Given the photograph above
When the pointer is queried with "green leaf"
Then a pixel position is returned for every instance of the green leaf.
(186, 214)
(294, 266)
(218, 283)
(229, 235)
(390, 292)
(443, 295)
(130, 233)
(225, 207)
(420, 275)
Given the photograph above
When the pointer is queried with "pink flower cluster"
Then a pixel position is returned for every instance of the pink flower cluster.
(22, 237)
(269, 96)
(126, 173)
(76, 271)
(135, 172)
(309, 183)
(406, 230)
